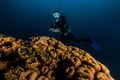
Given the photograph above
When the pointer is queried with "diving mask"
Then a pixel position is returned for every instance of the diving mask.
(56, 15)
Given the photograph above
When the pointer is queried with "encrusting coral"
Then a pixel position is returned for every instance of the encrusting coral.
(45, 58)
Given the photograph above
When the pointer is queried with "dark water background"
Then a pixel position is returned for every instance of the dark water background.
(99, 19)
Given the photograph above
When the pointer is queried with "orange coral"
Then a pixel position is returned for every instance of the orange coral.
(45, 58)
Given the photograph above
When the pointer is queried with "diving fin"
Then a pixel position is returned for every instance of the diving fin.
(95, 46)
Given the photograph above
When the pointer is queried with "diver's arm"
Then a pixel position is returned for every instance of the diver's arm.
(52, 26)
(54, 29)
(66, 27)
(57, 30)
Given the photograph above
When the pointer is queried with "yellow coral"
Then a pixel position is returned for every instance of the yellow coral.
(45, 58)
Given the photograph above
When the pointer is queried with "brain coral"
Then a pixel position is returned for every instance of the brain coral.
(45, 58)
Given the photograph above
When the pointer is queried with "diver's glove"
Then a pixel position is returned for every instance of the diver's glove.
(57, 30)
(51, 29)
(66, 33)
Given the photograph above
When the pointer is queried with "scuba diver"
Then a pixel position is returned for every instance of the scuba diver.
(60, 26)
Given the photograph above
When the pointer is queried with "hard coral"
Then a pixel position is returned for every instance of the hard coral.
(45, 58)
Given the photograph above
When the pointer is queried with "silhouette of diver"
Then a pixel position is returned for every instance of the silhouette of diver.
(60, 26)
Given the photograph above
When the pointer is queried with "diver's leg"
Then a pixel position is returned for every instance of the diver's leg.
(63, 38)
(79, 40)
(86, 39)
(73, 38)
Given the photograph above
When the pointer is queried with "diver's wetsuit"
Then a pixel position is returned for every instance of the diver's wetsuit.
(65, 34)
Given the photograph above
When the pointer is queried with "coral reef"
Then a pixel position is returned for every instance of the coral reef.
(45, 58)
(2, 35)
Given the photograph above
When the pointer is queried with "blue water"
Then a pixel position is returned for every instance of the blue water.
(99, 19)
